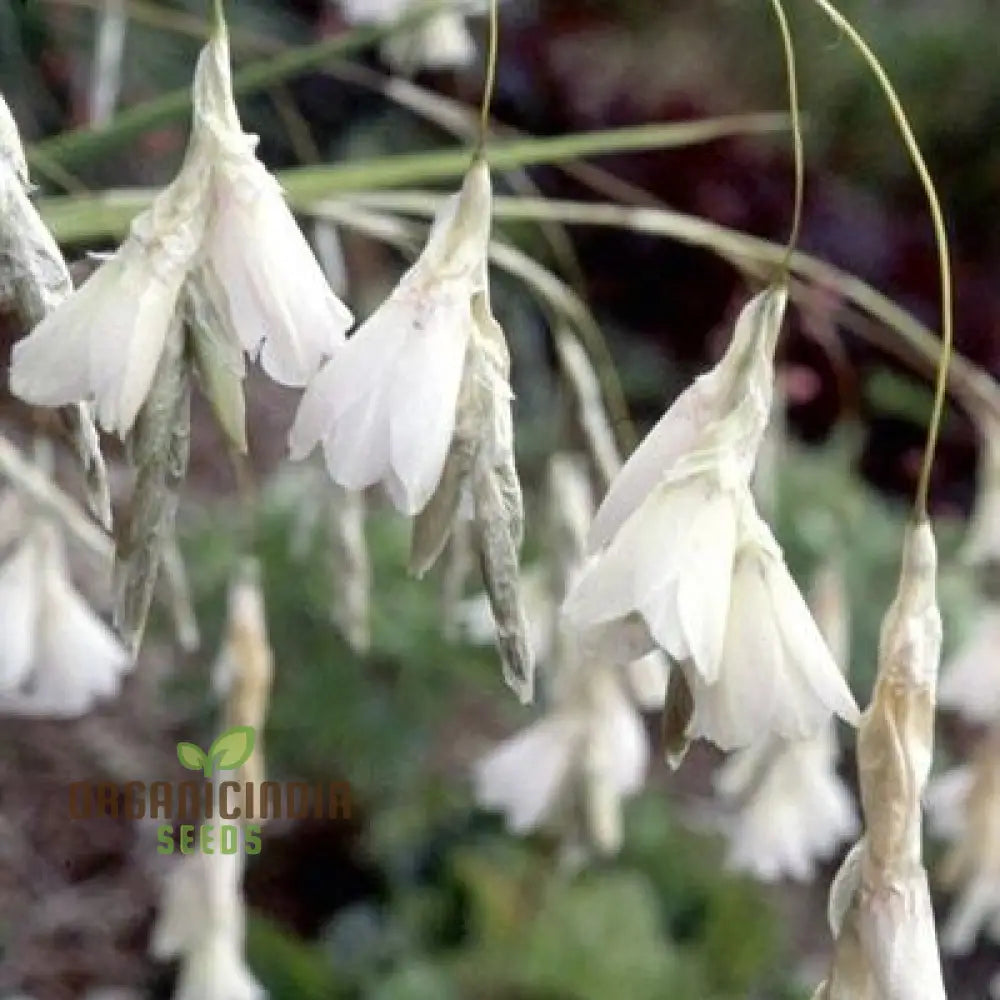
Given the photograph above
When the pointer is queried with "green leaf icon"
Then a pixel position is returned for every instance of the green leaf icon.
(191, 756)
(231, 749)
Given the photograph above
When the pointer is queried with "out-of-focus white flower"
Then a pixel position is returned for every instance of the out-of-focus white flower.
(575, 765)
(384, 406)
(688, 560)
(880, 909)
(57, 658)
(791, 808)
(222, 223)
(256, 263)
(963, 806)
(202, 922)
(970, 680)
(439, 41)
(983, 541)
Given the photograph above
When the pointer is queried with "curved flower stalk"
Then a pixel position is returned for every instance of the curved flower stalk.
(57, 658)
(791, 808)
(964, 807)
(221, 223)
(441, 41)
(572, 769)
(687, 565)
(202, 922)
(880, 908)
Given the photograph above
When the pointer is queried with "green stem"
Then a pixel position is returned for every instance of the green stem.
(940, 236)
(797, 145)
(491, 74)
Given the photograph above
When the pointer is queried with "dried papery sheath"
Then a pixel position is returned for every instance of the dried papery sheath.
(880, 908)
(202, 922)
(34, 280)
(244, 669)
(57, 658)
(159, 446)
(964, 807)
(265, 282)
(688, 561)
(350, 568)
(384, 407)
(789, 808)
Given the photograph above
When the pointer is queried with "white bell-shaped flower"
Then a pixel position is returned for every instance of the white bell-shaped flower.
(104, 341)
(256, 264)
(743, 381)
(576, 764)
(57, 658)
(970, 680)
(384, 405)
(223, 224)
(688, 561)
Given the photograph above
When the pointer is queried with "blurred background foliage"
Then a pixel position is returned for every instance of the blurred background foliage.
(420, 896)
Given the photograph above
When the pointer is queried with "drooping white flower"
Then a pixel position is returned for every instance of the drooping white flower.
(202, 922)
(688, 562)
(963, 806)
(790, 808)
(256, 264)
(105, 340)
(970, 680)
(575, 765)
(742, 380)
(221, 223)
(57, 658)
(384, 406)
(880, 909)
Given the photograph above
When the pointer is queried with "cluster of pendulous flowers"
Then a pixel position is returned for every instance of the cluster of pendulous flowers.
(418, 399)
(674, 595)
